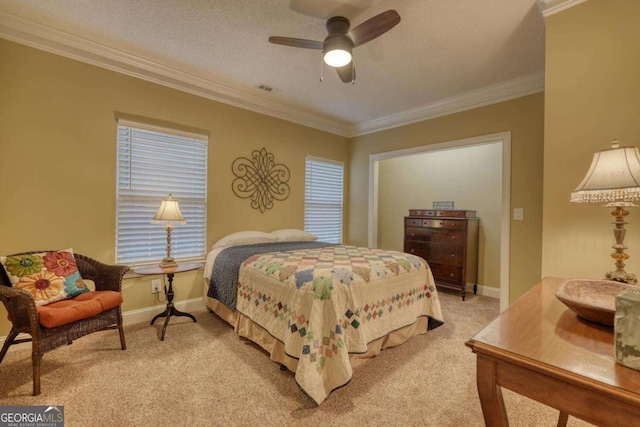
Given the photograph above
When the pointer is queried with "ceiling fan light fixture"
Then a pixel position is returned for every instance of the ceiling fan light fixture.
(341, 39)
(337, 50)
(337, 57)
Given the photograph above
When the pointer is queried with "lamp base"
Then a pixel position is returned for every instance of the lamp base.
(167, 263)
(619, 213)
(622, 276)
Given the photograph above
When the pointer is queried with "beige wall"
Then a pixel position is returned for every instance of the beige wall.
(57, 151)
(58, 159)
(524, 118)
(418, 180)
(592, 81)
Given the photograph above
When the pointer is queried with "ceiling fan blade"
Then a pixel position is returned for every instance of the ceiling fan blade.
(374, 27)
(347, 73)
(290, 41)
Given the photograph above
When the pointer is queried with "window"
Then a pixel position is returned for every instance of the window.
(323, 199)
(153, 162)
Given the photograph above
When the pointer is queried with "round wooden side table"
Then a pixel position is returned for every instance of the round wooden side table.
(149, 270)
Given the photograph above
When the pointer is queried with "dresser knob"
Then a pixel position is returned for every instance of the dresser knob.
(453, 255)
(450, 274)
(453, 237)
(413, 235)
(413, 250)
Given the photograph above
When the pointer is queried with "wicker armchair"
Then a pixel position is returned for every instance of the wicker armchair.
(24, 315)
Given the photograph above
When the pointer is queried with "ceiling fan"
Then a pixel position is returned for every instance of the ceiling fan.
(339, 44)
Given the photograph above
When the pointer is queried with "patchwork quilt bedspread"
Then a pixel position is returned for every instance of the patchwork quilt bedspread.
(325, 303)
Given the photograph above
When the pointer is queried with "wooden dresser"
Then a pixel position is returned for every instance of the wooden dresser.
(448, 241)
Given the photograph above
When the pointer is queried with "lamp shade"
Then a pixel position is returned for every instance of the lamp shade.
(614, 176)
(169, 213)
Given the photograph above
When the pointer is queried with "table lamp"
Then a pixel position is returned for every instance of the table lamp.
(613, 178)
(168, 214)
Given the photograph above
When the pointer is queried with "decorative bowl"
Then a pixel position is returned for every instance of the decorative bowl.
(593, 300)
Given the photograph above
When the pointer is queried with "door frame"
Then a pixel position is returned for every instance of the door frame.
(504, 138)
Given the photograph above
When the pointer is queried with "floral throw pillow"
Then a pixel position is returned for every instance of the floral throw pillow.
(47, 276)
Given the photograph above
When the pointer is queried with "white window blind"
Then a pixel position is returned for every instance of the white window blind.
(323, 199)
(153, 162)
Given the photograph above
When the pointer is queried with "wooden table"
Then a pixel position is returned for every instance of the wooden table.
(539, 348)
(170, 310)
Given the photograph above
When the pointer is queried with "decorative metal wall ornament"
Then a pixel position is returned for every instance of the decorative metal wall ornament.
(260, 179)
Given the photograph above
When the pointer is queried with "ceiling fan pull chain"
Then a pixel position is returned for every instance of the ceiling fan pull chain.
(321, 70)
(353, 74)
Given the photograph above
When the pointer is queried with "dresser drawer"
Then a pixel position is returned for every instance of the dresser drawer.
(439, 236)
(413, 222)
(461, 214)
(442, 254)
(419, 222)
(450, 274)
(434, 223)
(422, 212)
(457, 214)
(443, 223)
(416, 234)
(451, 224)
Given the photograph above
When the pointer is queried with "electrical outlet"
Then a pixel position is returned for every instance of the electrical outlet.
(156, 286)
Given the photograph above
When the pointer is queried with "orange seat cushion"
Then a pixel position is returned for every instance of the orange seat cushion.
(81, 307)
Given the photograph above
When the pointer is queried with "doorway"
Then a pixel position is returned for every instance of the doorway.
(398, 168)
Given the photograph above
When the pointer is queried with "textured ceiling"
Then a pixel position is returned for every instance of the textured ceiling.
(440, 49)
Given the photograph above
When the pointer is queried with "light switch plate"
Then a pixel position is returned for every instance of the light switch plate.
(518, 214)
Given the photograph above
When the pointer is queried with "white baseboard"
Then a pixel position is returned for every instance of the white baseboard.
(132, 316)
(146, 314)
(487, 291)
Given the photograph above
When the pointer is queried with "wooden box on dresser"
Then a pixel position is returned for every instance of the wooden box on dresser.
(448, 241)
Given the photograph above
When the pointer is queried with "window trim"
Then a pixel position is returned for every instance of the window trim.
(172, 131)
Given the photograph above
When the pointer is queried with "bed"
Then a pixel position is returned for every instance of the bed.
(319, 309)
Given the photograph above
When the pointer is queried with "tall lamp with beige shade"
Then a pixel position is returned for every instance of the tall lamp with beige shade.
(614, 179)
(168, 214)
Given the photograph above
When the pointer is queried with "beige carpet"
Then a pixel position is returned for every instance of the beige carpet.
(205, 375)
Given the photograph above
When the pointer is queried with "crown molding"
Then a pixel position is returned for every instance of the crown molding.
(30, 33)
(516, 88)
(23, 31)
(551, 7)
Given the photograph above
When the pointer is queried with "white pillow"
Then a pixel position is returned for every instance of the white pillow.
(245, 238)
(293, 235)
